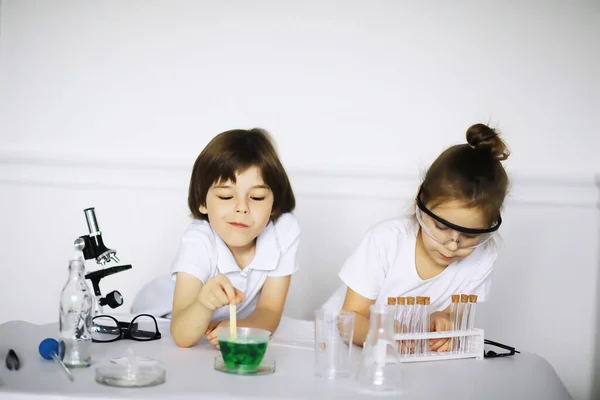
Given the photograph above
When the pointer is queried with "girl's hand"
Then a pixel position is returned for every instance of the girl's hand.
(212, 326)
(438, 322)
(211, 334)
(218, 292)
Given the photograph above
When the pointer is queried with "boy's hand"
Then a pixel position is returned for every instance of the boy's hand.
(438, 322)
(211, 332)
(218, 292)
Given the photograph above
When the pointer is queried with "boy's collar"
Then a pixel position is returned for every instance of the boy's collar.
(266, 255)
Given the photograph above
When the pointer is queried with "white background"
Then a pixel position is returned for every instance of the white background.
(108, 104)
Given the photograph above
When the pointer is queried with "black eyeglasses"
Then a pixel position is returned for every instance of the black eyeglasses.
(510, 351)
(106, 328)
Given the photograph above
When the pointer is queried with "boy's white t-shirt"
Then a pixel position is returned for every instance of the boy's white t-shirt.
(203, 254)
(383, 265)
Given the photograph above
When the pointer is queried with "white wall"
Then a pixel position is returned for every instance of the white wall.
(108, 105)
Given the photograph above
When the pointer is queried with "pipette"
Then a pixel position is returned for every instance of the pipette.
(49, 351)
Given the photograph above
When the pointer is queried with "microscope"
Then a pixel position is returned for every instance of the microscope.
(92, 247)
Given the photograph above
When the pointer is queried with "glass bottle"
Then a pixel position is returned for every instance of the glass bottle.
(79, 245)
(376, 370)
(75, 320)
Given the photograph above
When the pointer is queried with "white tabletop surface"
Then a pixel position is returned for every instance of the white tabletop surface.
(190, 374)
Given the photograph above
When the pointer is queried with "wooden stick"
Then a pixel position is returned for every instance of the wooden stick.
(232, 322)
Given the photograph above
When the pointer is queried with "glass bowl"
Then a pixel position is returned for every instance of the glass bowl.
(245, 352)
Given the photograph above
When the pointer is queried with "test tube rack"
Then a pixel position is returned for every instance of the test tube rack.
(475, 348)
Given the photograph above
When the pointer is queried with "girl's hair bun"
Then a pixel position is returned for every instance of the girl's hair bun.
(482, 137)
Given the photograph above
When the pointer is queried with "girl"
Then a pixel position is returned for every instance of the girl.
(241, 246)
(444, 248)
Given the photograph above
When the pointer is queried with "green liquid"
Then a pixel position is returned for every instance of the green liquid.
(242, 355)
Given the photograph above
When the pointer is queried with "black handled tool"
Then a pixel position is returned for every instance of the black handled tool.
(12, 361)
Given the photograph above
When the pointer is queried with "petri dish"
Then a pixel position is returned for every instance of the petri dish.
(127, 374)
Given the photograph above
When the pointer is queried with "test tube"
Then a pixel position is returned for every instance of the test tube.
(418, 323)
(454, 319)
(400, 312)
(426, 324)
(472, 304)
(400, 306)
(408, 317)
(470, 321)
(464, 316)
(391, 301)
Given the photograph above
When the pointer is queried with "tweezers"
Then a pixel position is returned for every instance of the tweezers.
(12, 361)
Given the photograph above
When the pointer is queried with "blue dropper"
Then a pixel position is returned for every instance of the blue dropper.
(49, 351)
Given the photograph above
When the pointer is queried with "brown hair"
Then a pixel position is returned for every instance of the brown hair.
(235, 151)
(470, 172)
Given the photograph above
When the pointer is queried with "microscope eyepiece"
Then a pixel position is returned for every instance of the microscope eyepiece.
(92, 223)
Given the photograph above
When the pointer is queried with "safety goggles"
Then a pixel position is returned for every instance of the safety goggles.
(106, 328)
(445, 232)
(506, 351)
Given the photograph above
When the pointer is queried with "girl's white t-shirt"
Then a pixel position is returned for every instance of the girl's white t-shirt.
(383, 265)
(203, 254)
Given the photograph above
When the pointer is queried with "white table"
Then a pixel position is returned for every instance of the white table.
(190, 374)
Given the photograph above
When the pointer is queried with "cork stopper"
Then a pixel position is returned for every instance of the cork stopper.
(473, 298)
(464, 298)
(420, 300)
(455, 298)
(427, 301)
(401, 300)
(391, 301)
(410, 301)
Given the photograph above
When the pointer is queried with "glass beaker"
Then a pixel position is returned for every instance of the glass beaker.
(379, 366)
(333, 343)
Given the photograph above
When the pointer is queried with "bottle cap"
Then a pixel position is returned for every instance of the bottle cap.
(410, 300)
(402, 300)
(427, 301)
(455, 298)
(473, 298)
(464, 298)
(391, 301)
(420, 300)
